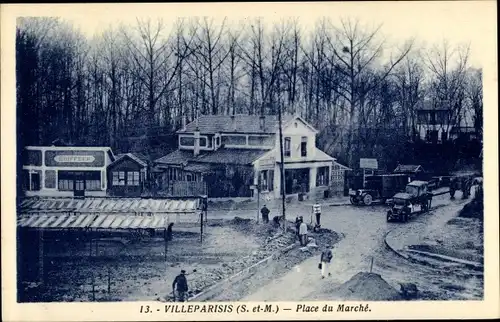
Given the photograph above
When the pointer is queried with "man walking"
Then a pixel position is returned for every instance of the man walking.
(180, 286)
(298, 221)
(265, 214)
(303, 233)
(326, 258)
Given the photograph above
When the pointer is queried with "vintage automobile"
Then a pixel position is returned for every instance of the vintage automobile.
(378, 188)
(414, 200)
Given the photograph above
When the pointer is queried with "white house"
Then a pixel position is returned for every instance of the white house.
(65, 171)
(249, 144)
(307, 168)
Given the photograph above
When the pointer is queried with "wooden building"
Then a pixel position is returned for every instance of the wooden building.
(128, 175)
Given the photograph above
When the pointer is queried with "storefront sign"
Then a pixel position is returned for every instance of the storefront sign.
(267, 162)
(368, 164)
(74, 158)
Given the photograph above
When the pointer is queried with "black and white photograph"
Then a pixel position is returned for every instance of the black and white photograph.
(329, 153)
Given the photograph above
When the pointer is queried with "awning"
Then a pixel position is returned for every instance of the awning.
(109, 205)
(105, 221)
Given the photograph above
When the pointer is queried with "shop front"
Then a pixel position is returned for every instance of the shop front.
(65, 171)
(310, 177)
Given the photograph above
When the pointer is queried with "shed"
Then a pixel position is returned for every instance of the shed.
(408, 169)
(415, 172)
(127, 175)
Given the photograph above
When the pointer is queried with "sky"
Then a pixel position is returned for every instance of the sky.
(429, 22)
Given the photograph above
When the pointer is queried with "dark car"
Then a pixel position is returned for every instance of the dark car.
(414, 200)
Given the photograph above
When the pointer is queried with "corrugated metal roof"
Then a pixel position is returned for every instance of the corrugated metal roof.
(105, 221)
(104, 205)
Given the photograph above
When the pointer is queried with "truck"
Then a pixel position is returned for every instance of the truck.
(378, 188)
(416, 199)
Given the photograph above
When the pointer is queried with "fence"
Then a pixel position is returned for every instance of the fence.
(184, 189)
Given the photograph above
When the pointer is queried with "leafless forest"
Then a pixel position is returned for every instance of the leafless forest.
(131, 86)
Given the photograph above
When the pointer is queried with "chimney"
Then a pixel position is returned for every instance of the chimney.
(233, 123)
(196, 150)
(184, 121)
(262, 122)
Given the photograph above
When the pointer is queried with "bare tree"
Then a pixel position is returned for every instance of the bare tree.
(155, 65)
(408, 82)
(211, 54)
(448, 68)
(475, 96)
(356, 52)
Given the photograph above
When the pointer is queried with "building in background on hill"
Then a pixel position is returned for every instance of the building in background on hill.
(238, 156)
(438, 123)
(58, 171)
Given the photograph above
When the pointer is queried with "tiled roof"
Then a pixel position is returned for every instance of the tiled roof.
(223, 155)
(231, 156)
(176, 157)
(211, 124)
(408, 168)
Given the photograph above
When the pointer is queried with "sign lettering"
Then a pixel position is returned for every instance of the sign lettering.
(74, 158)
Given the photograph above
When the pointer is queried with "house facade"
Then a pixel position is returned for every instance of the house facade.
(65, 171)
(239, 156)
(439, 123)
(127, 175)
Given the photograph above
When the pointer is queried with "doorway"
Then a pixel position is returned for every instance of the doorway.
(79, 187)
(297, 180)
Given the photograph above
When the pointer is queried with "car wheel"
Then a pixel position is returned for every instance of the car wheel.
(389, 216)
(367, 199)
(353, 201)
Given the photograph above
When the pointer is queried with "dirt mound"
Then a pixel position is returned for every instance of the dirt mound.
(366, 287)
(240, 221)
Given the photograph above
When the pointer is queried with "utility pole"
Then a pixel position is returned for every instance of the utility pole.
(282, 167)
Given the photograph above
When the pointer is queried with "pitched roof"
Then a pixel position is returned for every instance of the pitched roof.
(198, 167)
(138, 158)
(231, 156)
(408, 168)
(428, 105)
(212, 124)
(176, 157)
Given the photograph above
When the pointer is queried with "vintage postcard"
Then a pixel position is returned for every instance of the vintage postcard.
(249, 161)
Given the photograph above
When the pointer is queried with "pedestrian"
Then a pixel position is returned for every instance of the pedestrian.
(180, 287)
(265, 214)
(326, 258)
(303, 233)
(169, 231)
(298, 221)
(277, 221)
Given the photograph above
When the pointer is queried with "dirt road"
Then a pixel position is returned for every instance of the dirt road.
(363, 230)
